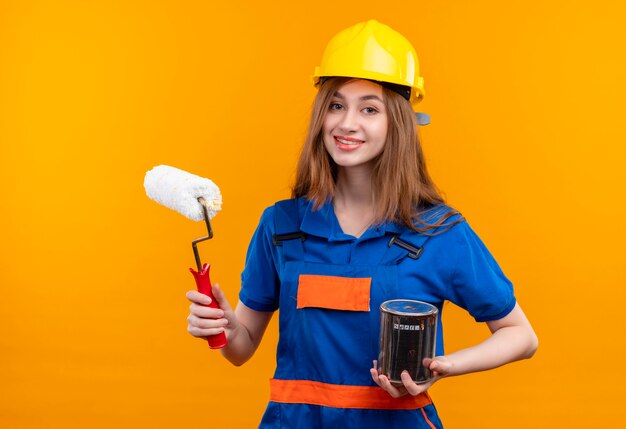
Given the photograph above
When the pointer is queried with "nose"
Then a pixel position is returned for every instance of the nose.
(349, 121)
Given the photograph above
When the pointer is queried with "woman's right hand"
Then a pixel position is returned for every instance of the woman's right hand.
(204, 321)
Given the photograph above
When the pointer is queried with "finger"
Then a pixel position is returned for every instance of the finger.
(203, 333)
(411, 387)
(203, 327)
(204, 323)
(205, 312)
(440, 368)
(390, 388)
(197, 297)
(374, 375)
(374, 372)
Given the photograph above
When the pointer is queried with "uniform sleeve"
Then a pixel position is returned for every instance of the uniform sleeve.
(478, 284)
(259, 279)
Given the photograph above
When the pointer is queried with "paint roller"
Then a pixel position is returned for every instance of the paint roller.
(196, 198)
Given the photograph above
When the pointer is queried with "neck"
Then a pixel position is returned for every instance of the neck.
(354, 188)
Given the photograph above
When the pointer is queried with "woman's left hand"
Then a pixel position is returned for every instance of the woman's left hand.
(440, 367)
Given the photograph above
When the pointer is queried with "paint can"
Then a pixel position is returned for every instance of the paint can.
(408, 332)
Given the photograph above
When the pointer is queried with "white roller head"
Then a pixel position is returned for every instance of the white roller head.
(180, 191)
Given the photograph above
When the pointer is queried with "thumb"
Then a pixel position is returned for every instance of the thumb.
(440, 366)
(219, 296)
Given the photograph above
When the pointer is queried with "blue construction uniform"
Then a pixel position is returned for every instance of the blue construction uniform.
(328, 341)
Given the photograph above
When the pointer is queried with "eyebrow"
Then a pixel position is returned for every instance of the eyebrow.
(365, 97)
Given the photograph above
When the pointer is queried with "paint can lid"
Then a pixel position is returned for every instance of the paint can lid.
(408, 307)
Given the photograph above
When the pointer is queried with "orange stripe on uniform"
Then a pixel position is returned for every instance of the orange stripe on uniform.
(432, 426)
(336, 293)
(339, 396)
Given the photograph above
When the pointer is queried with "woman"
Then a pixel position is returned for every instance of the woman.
(327, 261)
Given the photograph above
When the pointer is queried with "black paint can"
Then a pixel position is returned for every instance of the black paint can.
(408, 332)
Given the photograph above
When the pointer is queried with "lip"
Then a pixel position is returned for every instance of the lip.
(348, 147)
(349, 139)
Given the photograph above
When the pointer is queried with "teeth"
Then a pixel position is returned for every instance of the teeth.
(342, 141)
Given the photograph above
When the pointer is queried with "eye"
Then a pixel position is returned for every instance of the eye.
(370, 110)
(335, 106)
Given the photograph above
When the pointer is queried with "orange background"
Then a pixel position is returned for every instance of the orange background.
(527, 140)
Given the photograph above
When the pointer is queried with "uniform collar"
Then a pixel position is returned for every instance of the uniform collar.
(324, 223)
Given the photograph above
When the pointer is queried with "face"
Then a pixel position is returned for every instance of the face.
(355, 126)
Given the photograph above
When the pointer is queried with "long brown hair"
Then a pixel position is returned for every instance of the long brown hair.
(403, 190)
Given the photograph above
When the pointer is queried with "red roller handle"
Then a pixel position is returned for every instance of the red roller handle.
(203, 283)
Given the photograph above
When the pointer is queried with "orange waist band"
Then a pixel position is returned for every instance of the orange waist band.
(340, 396)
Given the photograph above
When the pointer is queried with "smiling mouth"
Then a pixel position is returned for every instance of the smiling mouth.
(347, 144)
(348, 141)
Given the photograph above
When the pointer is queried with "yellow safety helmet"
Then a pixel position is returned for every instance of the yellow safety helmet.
(371, 50)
